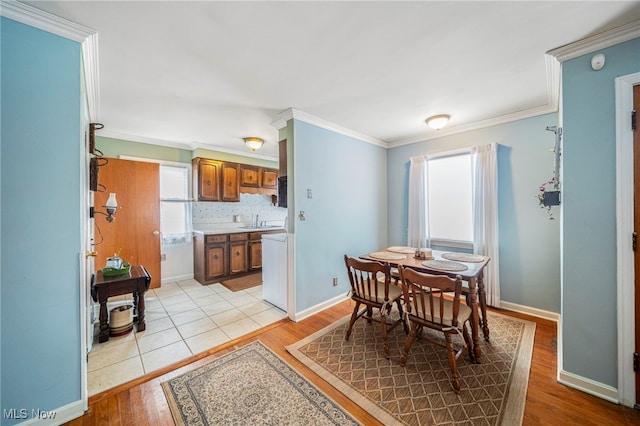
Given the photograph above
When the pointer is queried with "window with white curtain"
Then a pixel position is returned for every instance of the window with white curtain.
(450, 198)
(175, 206)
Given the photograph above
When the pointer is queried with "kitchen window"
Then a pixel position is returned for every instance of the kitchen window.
(175, 204)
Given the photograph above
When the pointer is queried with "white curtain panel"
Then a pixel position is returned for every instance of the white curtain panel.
(485, 216)
(418, 232)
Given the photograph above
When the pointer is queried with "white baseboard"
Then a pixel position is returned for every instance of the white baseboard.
(528, 310)
(299, 316)
(176, 278)
(57, 416)
(589, 386)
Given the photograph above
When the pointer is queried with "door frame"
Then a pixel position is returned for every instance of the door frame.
(624, 229)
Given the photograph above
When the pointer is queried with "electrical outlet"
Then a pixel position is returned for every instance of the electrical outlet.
(335, 281)
(163, 257)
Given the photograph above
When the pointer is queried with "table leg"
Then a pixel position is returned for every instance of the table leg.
(483, 306)
(104, 322)
(475, 321)
(141, 324)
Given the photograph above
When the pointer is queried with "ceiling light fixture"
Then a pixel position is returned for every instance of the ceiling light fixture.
(253, 143)
(437, 122)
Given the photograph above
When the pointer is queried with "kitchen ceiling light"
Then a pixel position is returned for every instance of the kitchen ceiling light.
(437, 122)
(253, 143)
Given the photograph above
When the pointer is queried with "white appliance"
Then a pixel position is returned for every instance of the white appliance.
(274, 269)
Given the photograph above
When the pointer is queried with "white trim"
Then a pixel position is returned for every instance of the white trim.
(87, 37)
(298, 316)
(45, 21)
(291, 275)
(494, 121)
(62, 415)
(296, 114)
(528, 310)
(106, 133)
(624, 230)
(589, 386)
(596, 42)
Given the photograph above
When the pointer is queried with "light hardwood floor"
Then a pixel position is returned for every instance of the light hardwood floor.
(142, 401)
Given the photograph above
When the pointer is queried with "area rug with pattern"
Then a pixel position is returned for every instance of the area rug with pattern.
(493, 392)
(250, 386)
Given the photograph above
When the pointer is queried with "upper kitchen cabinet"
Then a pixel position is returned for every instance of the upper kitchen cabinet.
(206, 179)
(216, 180)
(258, 180)
(230, 182)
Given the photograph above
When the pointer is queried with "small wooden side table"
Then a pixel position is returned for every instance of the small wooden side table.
(136, 282)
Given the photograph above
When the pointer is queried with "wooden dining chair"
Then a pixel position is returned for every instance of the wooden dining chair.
(427, 305)
(371, 287)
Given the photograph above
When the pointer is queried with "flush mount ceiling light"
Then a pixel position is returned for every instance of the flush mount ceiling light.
(437, 122)
(253, 143)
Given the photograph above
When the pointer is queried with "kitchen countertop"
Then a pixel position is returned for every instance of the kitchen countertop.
(213, 230)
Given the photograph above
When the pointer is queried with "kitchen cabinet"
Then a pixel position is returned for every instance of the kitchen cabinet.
(249, 176)
(216, 180)
(237, 253)
(206, 179)
(210, 257)
(220, 256)
(230, 182)
(255, 250)
(258, 180)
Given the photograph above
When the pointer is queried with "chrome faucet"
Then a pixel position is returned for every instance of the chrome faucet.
(256, 224)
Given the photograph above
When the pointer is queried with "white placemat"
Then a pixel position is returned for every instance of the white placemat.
(463, 257)
(400, 249)
(445, 265)
(386, 255)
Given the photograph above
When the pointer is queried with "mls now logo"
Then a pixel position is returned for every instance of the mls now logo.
(23, 413)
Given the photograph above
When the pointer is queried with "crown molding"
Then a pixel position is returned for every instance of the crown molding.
(37, 18)
(596, 42)
(105, 133)
(87, 37)
(494, 121)
(296, 114)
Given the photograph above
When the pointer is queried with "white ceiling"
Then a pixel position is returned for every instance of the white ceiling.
(208, 73)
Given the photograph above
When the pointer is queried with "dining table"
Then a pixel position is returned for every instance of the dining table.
(437, 262)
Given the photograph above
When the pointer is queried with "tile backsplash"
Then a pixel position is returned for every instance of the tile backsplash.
(205, 213)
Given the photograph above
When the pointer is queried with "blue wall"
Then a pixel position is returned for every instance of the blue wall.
(529, 241)
(40, 210)
(347, 213)
(589, 212)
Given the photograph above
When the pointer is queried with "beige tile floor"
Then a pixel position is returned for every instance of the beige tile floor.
(183, 318)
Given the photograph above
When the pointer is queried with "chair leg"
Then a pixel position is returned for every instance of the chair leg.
(407, 344)
(404, 323)
(468, 341)
(354, 317)
(451, 354)
(383, 325)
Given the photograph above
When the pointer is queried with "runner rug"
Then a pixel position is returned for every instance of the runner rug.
(243, 283)
(250, 386)
(492, 392)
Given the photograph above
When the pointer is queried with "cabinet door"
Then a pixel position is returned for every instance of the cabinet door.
(230, 182)
(237, 257)
(269, 178)
(255, 255)
(249, 176)
(216, 261)
(207, 179)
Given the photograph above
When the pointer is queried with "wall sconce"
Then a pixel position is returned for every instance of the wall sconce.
(437, 122)
(111, 206)
(253, 143)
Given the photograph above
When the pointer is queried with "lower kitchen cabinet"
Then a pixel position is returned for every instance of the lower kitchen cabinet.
(217, 257)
